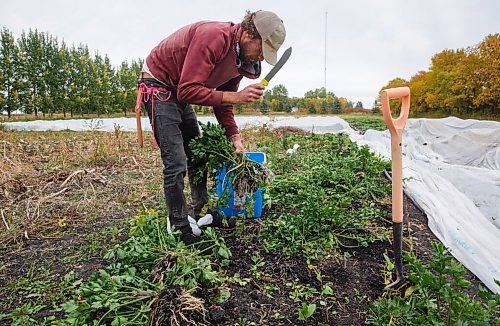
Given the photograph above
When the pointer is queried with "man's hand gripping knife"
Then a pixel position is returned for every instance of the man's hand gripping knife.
(249, 94)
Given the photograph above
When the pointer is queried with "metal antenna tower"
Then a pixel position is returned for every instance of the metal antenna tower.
(326, 15)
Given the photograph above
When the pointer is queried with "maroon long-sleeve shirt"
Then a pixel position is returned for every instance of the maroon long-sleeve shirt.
(201, 61)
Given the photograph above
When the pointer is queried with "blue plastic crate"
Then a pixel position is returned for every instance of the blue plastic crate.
(236, 202)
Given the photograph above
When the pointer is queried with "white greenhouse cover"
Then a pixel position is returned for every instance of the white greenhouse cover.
(451, 170)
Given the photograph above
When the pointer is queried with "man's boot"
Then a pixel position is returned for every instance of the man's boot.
(220, 221)
(187, 236)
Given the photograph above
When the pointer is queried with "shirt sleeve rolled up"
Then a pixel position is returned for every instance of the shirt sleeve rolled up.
(224, 113)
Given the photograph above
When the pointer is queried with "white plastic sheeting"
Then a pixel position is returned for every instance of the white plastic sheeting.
(451, 169)
(129, 124)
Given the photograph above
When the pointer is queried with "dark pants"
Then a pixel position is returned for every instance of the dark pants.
(175, 125)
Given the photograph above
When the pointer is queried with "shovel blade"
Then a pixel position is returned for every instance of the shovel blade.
(397, 232)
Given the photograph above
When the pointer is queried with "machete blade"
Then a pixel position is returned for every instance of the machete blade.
(277, 66)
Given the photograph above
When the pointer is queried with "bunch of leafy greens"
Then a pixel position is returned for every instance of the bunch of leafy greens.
(213, 152)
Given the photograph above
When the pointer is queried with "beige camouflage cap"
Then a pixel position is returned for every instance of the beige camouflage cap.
(272, 31)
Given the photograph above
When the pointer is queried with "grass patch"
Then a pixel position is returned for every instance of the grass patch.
(363, 123)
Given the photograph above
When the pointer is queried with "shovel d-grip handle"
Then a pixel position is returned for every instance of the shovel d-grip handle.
(403, 93)
(396, 127)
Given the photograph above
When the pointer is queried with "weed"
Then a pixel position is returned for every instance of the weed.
(278, 316)
(220, 249)
(270, 288)
(306, 311)
(257, 264)
(21, 315)
(262, 316)
(435, 296)
(236, 279)
(361, 297)
(118, 132)
(299, 292)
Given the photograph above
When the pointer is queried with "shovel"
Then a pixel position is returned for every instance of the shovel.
(396, 128)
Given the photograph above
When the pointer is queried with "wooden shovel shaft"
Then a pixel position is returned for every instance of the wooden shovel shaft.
(397, 178)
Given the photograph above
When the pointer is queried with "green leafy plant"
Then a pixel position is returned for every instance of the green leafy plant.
(306, 310)
(21, 315)
(435, 296)
(222, 296)
(325, 196)
(213, 152)
(362, 124)
(300, 292)
(148, 263)
(257, 264)
(237, 279)
(220, 249)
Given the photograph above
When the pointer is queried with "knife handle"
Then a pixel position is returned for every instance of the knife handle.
(264, 82)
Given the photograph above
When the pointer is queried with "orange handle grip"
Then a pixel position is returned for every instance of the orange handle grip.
(397, 92)
(395, 125)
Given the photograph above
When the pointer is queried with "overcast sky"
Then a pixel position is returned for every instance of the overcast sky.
(368, 42)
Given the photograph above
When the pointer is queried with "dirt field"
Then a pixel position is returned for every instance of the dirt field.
(66, 198)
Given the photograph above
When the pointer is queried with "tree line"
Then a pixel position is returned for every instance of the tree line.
(458, 81)
(318, 100)
(40, 75)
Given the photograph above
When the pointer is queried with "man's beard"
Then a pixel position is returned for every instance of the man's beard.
(245, 59)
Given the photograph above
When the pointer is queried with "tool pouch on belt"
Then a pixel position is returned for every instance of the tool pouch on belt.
(145, 94)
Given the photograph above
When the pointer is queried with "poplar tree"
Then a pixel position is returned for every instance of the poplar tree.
(10, 82)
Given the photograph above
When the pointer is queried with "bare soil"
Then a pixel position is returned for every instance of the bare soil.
(356, 276)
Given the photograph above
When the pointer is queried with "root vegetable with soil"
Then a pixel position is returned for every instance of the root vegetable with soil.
(213, 151)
